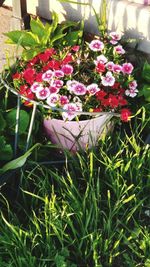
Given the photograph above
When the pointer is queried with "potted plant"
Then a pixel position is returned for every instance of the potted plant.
(82, 85)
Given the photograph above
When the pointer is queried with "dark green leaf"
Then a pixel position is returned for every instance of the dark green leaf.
(146, 92)
(72, 38)
(19, 162)
(2, 123)
(146, 72)
(23, 123)
(57, 37)
(6, 153)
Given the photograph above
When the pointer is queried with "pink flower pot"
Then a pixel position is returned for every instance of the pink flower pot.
(75, 135)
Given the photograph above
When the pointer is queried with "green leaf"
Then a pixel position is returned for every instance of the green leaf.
(146, 92)
(29, 39)
(24, 38)
(6, 153)
(2, 123)
(2, 141)
(14, 36)
(19, 162)
(72, 38)
(23, 123)
(55, 21)
(37, 28)
(30, 53)
(146, 72)
(47, 36)
(57, 37)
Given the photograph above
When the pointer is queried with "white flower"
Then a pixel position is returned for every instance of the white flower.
(53, 99)
(43, 93)
(131, 92)
(101, 59)
(93, 88)
(108, 80)
(47, 76)
(96, 45)
(36, 87)
(70, 108)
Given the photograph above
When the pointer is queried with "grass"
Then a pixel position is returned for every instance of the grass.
(93, 210)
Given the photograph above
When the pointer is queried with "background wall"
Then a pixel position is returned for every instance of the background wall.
(130, 17)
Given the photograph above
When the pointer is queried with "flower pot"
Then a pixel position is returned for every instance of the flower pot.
(76, 135)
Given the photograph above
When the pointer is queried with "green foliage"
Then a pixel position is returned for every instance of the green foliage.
(92, 210)
(146, 82)
(43, 36)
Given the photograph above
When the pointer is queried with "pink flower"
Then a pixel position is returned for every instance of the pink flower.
(110, 65)
(119, 50)
(52, 100)
(115, 37)
(93, 89)
(63, 100)
(96, 45)
(36, 87)
(43, 93)
(48, 75)
(67, 69)
(133, 85)
(117, 68)
(127, 68)
(70, 83)
(108, 80)
(75, 48)
(58, 73)
(57, 83)
(131, 92)
(101, 59)
(53, 89)
(79, 89)
(71, 108)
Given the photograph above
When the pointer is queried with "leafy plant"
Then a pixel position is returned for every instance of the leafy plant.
(146, 82)
(43, 36)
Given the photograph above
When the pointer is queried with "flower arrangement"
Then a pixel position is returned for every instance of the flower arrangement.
(92, 77)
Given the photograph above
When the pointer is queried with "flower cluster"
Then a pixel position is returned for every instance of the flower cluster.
(91, 78)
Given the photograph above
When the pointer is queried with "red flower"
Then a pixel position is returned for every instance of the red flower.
(29, 75)
(38, 77)
(23, 89)
(100, 95)
(105, 102)
(97, 109)
(100, 68)
(16, 76)
(44, 57)
(53, 64)
(32, 62)
(122, 101)
(125, 114)
(113, 101)
(116, 85)
(50, 52)
(67, 59)
(29, 95)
